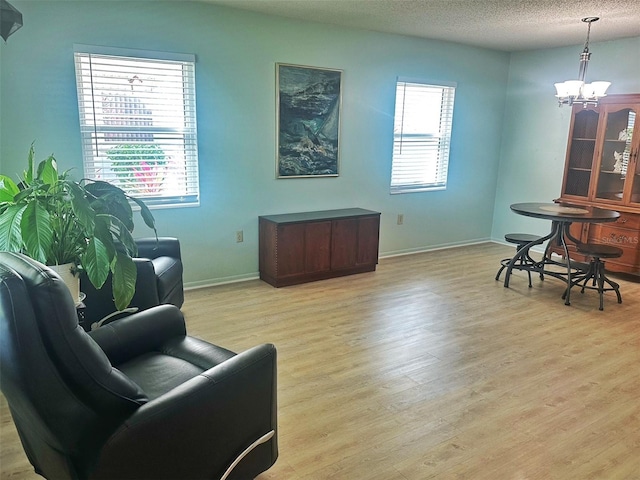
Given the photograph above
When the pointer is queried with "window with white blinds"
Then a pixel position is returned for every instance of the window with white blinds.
(421, 136)
(138, 122)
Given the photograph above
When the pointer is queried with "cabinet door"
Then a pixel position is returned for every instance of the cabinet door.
(614, 162)
(368, 233)
(580, 152)
(304, 248)
(344, 243)
(633, 148)
(317, 240)
(290, 254)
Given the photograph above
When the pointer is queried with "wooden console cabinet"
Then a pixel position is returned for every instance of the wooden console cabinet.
(602, 169)
(304, 247)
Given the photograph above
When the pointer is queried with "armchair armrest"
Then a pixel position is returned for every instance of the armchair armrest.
(139, 333)
(227, 408)
(146, 294)
(149, 247)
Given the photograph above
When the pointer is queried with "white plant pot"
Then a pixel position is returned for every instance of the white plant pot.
(70, 280)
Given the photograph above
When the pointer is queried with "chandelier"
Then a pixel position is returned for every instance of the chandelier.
(576, 91)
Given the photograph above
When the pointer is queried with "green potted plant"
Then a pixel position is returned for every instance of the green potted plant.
(56, 220)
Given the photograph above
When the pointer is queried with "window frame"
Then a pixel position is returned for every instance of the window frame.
(180, 138)
(409, 175)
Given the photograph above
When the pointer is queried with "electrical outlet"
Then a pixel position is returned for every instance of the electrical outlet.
(239, 236)
(400, 219)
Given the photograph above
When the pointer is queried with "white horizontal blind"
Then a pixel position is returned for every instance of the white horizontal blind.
(421, 136)
(138, 124)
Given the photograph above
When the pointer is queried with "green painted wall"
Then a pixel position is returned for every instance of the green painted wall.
(235, 73)
(534, 138)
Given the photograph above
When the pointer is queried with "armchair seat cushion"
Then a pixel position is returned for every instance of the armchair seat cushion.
(168, 363)
(157, 373)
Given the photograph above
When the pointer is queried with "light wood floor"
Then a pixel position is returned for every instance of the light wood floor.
(429, 368)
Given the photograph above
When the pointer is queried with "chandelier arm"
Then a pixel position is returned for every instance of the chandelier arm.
(577, 91)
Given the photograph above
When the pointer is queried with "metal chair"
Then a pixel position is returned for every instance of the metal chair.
(524, 262)
(596, 271)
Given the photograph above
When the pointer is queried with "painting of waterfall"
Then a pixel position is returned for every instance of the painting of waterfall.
(308, 121)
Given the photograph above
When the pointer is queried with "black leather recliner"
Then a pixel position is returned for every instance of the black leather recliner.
(135, 399)
(159, 280)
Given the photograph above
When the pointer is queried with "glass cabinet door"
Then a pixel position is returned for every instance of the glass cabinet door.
(614, 162)
(633, 146)
(581, 152)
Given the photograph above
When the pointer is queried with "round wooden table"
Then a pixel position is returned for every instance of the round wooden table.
(561, 216)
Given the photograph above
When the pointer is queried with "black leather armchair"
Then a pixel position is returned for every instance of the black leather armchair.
(159, 280)
(135, 399)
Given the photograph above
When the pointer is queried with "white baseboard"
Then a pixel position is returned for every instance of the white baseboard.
(256, 275)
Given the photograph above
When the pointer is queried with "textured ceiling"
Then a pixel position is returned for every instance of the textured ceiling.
(508, 25)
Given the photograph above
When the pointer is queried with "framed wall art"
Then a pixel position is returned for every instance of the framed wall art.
(308, 121)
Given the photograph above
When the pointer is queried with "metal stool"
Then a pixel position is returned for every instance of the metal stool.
(525, 262)
(596, 271)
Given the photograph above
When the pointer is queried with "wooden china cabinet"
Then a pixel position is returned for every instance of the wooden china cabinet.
(602, 169)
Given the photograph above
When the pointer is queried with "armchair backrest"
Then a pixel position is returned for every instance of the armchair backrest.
(159, 280)
(65, 396)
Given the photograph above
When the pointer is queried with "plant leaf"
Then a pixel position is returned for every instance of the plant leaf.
(8, 189)
(103, 233)
(96, 262)
(81, 206)
(48, 171)
(36, 231)
(98, 188)
(22, 195)
(28, 174)
(121, 233)
(10, 233)
(112, 200)
(124, 280)
(146, 214)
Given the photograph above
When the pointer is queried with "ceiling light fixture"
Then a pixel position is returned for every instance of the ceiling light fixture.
(576, 91)
(10, 19)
